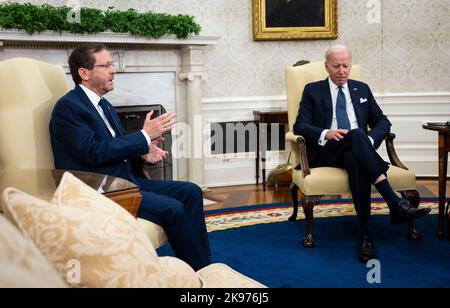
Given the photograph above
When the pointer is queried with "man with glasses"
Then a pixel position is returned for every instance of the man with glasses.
(87, 135)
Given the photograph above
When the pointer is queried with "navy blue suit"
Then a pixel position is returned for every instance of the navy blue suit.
(355, 152)
(81, 141)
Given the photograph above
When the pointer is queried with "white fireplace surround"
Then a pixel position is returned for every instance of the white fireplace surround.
(171, 69)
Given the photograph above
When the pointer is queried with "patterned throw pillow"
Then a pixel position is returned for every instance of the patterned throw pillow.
(219, 275)
(91, 241)
(21, 263)
(179, 274)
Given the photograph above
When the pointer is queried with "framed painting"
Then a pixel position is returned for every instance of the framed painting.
(294, 19)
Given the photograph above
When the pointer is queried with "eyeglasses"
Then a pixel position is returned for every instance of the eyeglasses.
(105, 66)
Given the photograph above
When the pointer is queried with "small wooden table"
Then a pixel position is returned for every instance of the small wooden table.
(42, 183)
(444, 146)
(261, 120)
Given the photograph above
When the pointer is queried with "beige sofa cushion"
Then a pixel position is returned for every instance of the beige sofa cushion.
(179, 274)
(21, 263)
(86, 227)
(154, 232)
(106, 242)
(219, 275)
(175, 272)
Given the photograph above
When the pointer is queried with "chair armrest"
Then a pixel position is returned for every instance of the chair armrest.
(393, 158)
(300, 141)
(291, 137)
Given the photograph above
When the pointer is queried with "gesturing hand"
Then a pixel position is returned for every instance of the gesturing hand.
(337, 134)
(154, 155)
(158, 126)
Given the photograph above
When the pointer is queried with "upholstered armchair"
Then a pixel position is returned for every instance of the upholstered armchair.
(314, 183)
(28, 91)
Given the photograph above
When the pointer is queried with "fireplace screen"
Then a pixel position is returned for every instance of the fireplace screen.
(132, 118)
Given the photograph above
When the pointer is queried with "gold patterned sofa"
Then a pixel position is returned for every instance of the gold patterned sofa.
(83, 239)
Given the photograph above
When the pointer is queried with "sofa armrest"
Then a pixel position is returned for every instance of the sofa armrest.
(153, 231)
(219, 275)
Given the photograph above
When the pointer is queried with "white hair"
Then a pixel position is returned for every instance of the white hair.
(336, 48)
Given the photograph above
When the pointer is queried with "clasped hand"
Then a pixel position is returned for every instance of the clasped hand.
(155, 154)
(337, 134)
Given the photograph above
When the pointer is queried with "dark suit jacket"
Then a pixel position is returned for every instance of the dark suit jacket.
(81, 140)
(316, 113)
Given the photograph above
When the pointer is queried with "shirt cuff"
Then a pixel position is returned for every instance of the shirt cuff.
(371, 140)
(322, 140)
(147, 137)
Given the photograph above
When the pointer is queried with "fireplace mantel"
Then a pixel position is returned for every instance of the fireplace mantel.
(20, 37)
(183, 58)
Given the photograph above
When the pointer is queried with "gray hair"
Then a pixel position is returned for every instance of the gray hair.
(336, 48)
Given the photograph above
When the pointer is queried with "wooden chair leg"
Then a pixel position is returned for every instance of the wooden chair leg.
(308, 203)
(294, 195)
(414, 199)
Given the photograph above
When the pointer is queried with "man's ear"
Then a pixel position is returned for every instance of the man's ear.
(84, 73)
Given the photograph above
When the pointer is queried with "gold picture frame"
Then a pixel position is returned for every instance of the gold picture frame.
(282, 20)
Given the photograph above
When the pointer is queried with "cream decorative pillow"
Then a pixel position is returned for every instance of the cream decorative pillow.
(179, 274)
(89, 239)
(21, 263)
(219, 275)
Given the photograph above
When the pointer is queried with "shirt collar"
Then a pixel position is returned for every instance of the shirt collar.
(93, 97)
(335, 87)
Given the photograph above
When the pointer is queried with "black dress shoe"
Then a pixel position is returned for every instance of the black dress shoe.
(366, 249)
(404, 212)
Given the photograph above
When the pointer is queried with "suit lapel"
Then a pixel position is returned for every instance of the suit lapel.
(327, 102)
(355, 95)
(85, 100)
(82, 95)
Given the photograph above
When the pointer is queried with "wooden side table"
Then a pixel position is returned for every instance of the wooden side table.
(42, 183)
(262, 119)
(444, 146)
(129, 199)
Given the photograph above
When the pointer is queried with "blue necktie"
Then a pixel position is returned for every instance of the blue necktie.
(108, 115)
(341, 111)
(115, 126)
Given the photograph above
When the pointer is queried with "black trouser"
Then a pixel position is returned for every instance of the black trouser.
(356, 154)
(178, 207)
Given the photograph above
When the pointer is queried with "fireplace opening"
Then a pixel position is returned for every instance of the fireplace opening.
(132, 118)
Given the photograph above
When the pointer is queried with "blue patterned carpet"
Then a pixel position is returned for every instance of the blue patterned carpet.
(270, 251)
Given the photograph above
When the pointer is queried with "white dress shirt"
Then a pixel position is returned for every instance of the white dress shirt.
(334, 90)
(95, 100)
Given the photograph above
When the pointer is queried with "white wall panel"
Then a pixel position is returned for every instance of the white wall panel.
(416, 147)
